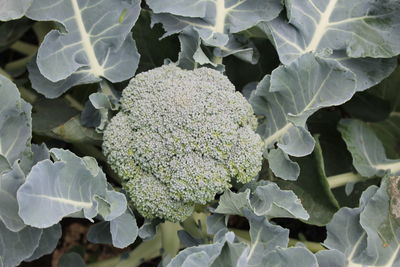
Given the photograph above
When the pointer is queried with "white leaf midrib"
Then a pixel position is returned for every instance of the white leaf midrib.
(95, 67)
(321, 27)
(220, 16)
(70, 202)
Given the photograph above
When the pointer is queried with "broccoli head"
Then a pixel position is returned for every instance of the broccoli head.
(180, 138)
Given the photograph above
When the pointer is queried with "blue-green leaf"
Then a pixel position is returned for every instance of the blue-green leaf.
(18, 246)
(288, 97)
(13, 9)
(69, 185)
(369, 235)
(368, 153)
(15, 123)
(94, 44)
(357, 34)
(215, 21)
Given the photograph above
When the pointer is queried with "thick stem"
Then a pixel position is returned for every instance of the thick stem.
(196, 225)
(147, 250)
(24, 48)
(217, 60)
(169, 238)
(343, 179)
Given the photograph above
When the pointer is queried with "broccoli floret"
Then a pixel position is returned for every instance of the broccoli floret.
(180, 138)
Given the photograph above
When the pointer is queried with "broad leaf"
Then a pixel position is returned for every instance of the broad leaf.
(362, 29)
(292, 257)
(95, 44)
(13, 9)
(71, 259)
(15, 123)
(67, 186)
(368, 239)
(368, 153)
(282, 166)
(205, 253)
(312, 188)
(288, 97)
(9, 183)
(388, 130)
(18, 246)
(124, 230)
(266, 199)
(264, 237)
(215, 21)
(57, 119)
(120, 232)
(48, 242)
(11, 31)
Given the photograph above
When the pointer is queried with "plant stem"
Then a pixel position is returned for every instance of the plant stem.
(217, 60)
(343, 179)
(24, 48)
(147, 250)
(74, 103)
(196, 225)
(312, 246)
(5, 74)
(169, 238)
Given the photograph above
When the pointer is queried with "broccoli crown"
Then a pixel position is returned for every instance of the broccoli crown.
(180, 138)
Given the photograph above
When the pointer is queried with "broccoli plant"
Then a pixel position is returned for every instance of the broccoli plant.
(199, 133)
(180, 138)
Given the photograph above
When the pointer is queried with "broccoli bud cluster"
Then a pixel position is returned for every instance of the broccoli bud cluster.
(180, 138)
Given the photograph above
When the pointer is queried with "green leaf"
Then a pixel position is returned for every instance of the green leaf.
(48, 242)
(267, 247)
(99, 233)
(271, 201)
(124, 230)
(218, 17)
(331, 258)
(312, 188)
(357, 34)
(266, 199)
(292, 257)
(264, 237)
(206, 254)
(57, 119)
(215, 21)
(368, 153)
(13, 9)
(282, 166)
(63, 188)
(94, 44)
(362, 28)
(15, 122)
(71, 259)
(367, 107)
(148, 230)
(152, 50)
(287, 98)
(364, 238)
(388, 130)
(9, 183)
(232, 254)
(17, 246)
(11, 31)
